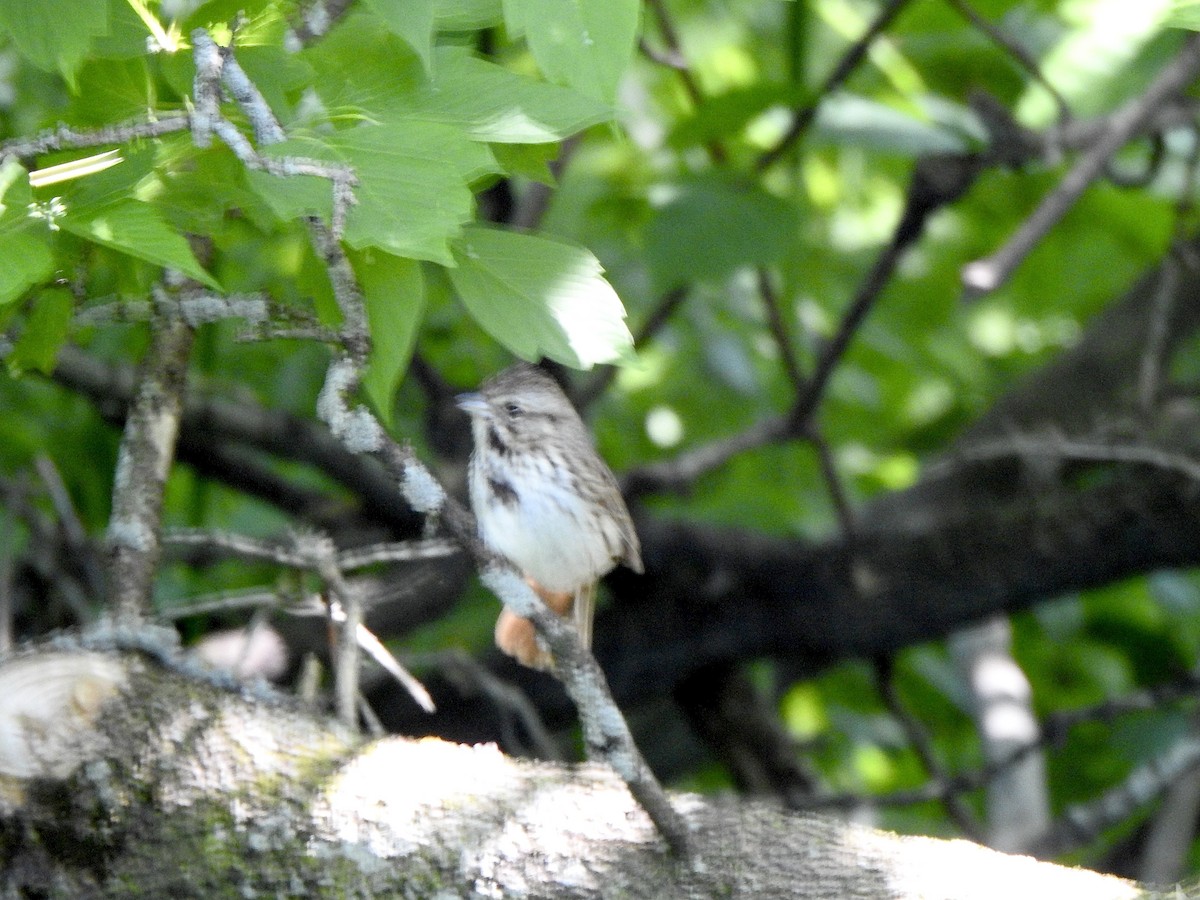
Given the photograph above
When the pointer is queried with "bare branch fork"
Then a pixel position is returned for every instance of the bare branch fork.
(985, 275)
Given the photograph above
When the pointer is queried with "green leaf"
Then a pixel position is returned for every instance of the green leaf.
(125, 37)
(412, 195)
(493, 104)
(138, 230)
(539, 297)
(54, 35)
(44, 334)
(25, 260)
(1184, 14)
(847, 119)
(719, 117)
(394, 291)
(411, 20)
(102, 208)
(25, 257)
(14, 191)
(467, 15)
(529, 160)
(586, 44)
(111, 90)
(714, 226)
(375, 76)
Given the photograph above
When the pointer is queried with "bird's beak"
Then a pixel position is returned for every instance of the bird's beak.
(473, 405)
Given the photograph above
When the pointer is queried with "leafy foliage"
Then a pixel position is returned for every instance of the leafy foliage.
(451, 114)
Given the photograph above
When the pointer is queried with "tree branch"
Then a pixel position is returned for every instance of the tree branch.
(985, 275)
(393, 817)
(147, 449)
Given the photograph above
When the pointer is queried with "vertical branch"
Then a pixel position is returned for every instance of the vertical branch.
(779, 330)
(1153, 361)
(1018, 802)
(8, 531)
(833, 483)
(147, 449)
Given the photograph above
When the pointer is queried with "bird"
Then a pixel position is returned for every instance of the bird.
(544, 500)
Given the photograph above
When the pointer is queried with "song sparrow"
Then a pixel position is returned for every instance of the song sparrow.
(544, 499)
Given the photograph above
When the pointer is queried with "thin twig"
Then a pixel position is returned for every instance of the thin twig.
(383, 657)
(864, 300)
(742, 726)
(64, 136)
(1082, 823)
(919, 740)
(78, 545)
(668, 58)
(833, 484)
(935, 182)
(680, 65)
(512, 704)
(374, 726)
(299, 554)
(529, 208)
(779, 330)
(1153, 361)
(803, 118)
(676, 57)
(1014, 49)
(221, 602)
(346, 611)
(1053, 732)
(1068, 450)
(678, 473)
(396, 551)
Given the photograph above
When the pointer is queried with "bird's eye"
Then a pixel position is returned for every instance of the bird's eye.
(512, 409)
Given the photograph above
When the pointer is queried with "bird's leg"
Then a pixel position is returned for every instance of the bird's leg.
(518, 638)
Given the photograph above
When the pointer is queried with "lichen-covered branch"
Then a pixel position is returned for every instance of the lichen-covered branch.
(144, 460)
(297, 807)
